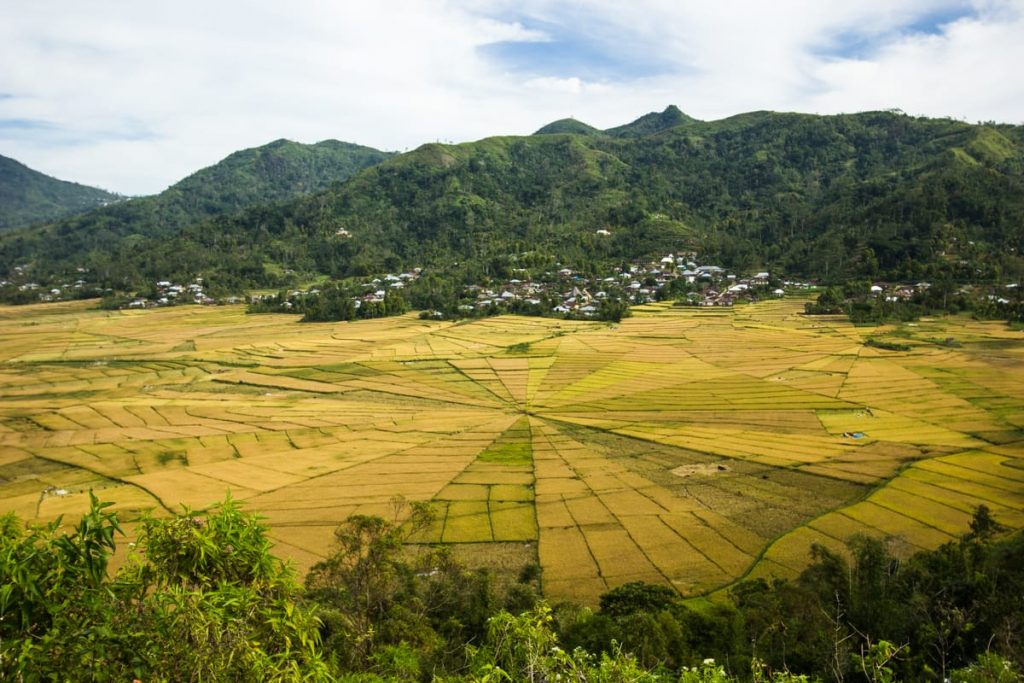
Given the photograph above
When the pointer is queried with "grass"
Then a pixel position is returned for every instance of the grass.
(679, 447)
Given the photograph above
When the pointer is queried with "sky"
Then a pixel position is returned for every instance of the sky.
(133, 96)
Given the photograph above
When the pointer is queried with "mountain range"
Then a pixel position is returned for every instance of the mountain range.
(875, 194)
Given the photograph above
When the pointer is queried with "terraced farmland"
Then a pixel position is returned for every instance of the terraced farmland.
(687, 447)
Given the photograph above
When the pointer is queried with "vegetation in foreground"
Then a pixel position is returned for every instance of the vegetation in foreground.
(202, 598)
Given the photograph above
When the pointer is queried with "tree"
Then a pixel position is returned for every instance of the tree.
(200, 599)
(983, 525)
(363, 588)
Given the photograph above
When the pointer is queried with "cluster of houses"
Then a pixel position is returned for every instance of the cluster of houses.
(169, 293)
(54, 292)
(568, 292)
(560, 291)
(726, 289)
(377, 288)
(62, 292)
(1011, 290)
(905, 292)
(896, 292)
(373, 291)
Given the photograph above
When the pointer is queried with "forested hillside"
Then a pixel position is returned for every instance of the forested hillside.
(278, 171)
(28, 196)
(877, 194)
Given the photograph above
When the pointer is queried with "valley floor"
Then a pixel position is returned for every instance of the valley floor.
(684, 446)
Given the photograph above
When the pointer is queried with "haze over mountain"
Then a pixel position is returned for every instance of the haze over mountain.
(865, 195)
(28, 196)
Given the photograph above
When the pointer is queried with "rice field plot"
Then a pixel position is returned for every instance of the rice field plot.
(492, 499)
(761, 500)
(928, 503)
(603, 523)
(683, 446)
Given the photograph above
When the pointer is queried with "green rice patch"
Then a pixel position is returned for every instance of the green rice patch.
(513, 447)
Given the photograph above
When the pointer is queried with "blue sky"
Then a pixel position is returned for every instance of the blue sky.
(132, 97)
(580, 46)
(853, 43)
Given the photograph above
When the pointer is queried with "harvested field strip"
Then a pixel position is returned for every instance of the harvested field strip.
(499, 484)
(272, 381)
(880, 515)
(892, 523)
(792, 551)
(480, 371)
(889, 426)
(444, 378)
(780, 422)
(841, 527)
(993, 470)
(961, 493)
(741, 445)
(930, 513)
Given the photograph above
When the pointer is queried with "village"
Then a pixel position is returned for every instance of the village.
(570, 293)
(562, 291)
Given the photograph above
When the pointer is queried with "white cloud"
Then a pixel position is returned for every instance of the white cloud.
(965, 72)
(572, 86)
(140, 95)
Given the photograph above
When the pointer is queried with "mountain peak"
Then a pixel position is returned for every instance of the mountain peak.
(651, 123)
(568, 126)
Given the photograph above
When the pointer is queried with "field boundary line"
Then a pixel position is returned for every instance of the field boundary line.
(108, 477)
(993, 503)
(696, 513)
(881, 531)
(594, 494)
(501, 400)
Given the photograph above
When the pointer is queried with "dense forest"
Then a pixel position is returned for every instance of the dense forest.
(878, 195)
(201, 597)
(28, 197)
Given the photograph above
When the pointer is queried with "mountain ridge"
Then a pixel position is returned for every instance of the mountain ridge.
(648, 124)
(855, 195)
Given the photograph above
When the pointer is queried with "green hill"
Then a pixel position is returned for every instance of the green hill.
(869, 195)
(568, 126)
(279, 170)
(28, 196)
(274, 172)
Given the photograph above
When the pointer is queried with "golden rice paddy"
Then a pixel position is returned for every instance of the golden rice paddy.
(682, 447)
